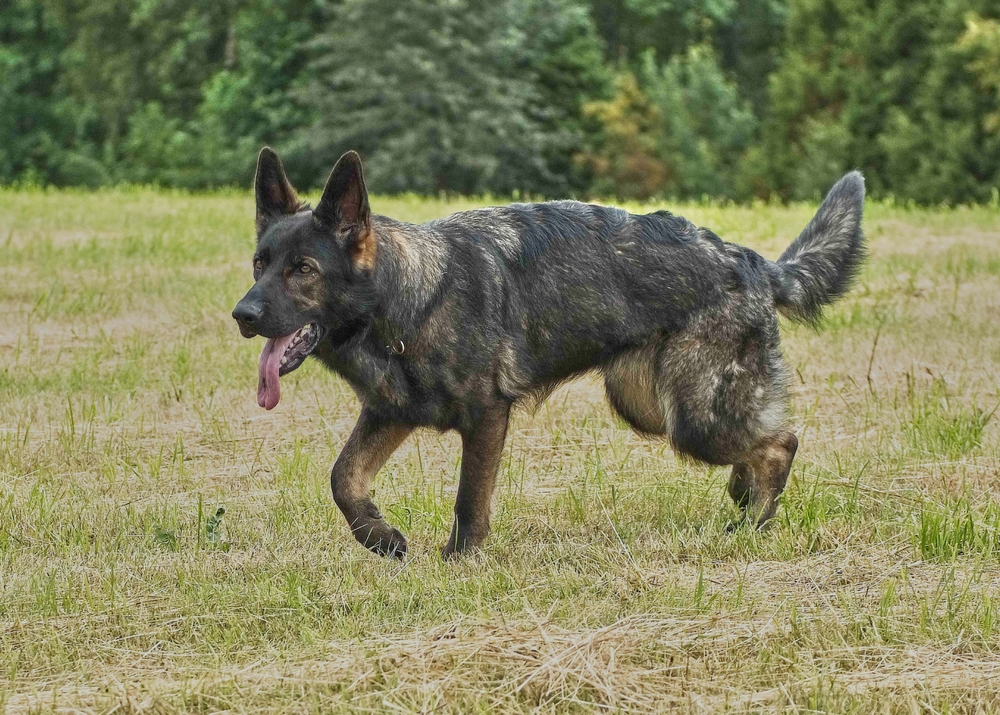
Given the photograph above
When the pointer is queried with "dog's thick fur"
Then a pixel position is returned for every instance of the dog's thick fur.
(450, 323)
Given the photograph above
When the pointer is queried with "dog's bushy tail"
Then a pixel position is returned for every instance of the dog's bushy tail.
(822, 263)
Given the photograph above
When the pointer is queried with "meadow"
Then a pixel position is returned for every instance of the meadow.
(167, 546)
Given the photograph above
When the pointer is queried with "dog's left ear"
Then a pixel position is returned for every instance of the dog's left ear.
(344, 208)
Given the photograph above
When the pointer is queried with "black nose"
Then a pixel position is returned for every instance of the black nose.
(247, 313)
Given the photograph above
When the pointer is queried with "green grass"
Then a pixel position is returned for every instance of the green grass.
(166, 546)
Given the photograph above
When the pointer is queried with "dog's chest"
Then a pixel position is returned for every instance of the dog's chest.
(421, 389)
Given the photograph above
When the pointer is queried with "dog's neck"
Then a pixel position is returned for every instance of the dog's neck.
(410, 267)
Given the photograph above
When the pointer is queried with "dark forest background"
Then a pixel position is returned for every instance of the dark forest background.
(626, 98)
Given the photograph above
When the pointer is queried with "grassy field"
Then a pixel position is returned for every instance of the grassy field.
(128, 422)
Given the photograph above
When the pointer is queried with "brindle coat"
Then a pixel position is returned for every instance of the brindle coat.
(450, 323)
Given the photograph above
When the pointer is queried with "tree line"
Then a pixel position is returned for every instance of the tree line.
(547, 98)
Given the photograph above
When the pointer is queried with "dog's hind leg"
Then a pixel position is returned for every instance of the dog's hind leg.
(367, 449)
(727, 383)
(482, 449)
(759, 477)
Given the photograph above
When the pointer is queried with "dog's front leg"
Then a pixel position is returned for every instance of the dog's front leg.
(482, 448)
(367, 449)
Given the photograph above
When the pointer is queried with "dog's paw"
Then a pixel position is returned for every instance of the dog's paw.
(449, 552)
(385, 541)
(393, 545)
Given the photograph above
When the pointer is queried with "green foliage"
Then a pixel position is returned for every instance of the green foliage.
(625, 161)
(210, 136)
(745, 34)
(36, 116)
(680, 133)
(176, 92)
(731, 98)
(882, 87)
(981, 42)
(705, 125)
(468, 97)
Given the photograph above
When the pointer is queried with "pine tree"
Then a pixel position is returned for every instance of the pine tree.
(466, 96)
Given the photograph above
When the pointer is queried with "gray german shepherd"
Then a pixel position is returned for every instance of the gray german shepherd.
(450, 323)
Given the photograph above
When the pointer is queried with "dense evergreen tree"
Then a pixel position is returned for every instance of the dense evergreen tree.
(465, 96)
(706, 126)
(244, 97)
(624, 158)
(745, 34)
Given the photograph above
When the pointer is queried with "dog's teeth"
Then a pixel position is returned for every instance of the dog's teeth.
(284, 360)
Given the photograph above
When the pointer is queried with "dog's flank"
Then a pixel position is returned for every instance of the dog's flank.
(450, 323)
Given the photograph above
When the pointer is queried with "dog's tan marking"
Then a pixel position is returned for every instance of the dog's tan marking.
(482, 450)
(631, 385)
(511, 381)
(759, 478)
(364, 248)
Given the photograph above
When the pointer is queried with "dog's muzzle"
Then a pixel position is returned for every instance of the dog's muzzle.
(247, 316)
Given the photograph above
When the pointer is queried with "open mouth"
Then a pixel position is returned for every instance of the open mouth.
(279, 357)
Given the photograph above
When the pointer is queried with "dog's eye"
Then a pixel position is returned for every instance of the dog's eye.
(258, 266)
(305, 268)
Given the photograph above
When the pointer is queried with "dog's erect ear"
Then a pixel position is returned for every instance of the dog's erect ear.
(275, 195)
(345, 198)
(344, 208)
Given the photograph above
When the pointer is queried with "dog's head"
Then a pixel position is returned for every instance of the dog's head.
(312, 268)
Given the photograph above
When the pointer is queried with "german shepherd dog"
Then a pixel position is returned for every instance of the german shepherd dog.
(450, 323)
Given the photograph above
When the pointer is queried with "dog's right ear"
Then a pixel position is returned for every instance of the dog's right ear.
(344, 208)
(275, 195)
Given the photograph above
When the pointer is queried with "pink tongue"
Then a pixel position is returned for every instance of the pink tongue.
(268, 389)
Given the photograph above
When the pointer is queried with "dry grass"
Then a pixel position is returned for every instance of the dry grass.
(127, 416)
